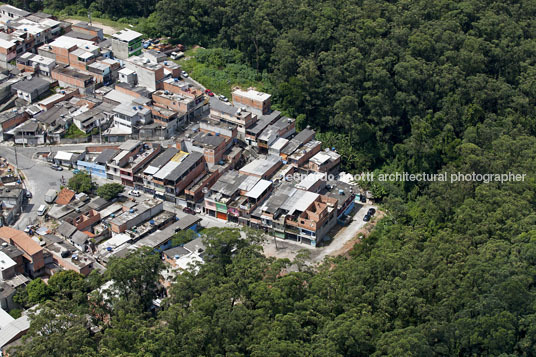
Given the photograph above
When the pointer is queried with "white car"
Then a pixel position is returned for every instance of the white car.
(135, 193)
(176, 55)
(184, 74)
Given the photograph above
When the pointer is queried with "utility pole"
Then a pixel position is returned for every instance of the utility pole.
(16, 159)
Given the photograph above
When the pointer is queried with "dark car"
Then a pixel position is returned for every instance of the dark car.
(363, 198)
(371, 212)
(188, 210)
(366, 218)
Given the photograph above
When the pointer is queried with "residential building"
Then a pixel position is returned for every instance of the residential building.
(283, 128)
(149, 74)
(325, 161)
(262, 168)
(69, 77)
(136, 215)
(296, 142)
(29, 62)
(32, 251)
(254, 101)
(10, 13)
(96, 33)
(32, 89)
(11, 200)
(300, 157)
(253, 132)
(132, 158)
(126, 43)
(177, 174)
(10, 119)
(211, 146)
(161, 239)
(229, 114)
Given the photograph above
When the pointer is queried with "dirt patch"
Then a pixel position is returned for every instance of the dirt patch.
(107, 30)
(363, 232)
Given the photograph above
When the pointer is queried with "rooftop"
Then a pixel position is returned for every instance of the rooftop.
(106, 156)
(73, 73)
(163, 158)
(252, 94)
(126, 35)
(219, 106)
(6, 262)
(208, 140)
(260, 167)
(65, 196)
(14, 10)
(66, 230)
(21, 239)
(324, 156)
(31, 85)
(87, 26)
(70, 42)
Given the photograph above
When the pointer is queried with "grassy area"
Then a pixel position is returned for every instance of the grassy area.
(222, 77)
(107, 22)
(73, 132)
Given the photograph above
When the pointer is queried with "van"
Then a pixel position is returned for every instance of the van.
(41, 211)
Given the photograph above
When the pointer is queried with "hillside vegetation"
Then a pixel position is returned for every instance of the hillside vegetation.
(416, 86)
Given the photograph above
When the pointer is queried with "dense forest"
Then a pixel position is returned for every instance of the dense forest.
(417, 86)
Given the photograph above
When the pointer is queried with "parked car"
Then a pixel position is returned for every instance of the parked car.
(371, 212)
(184, 74)
(41, 211)
(76, 171)
(363, 198)
(209, 93)
(188, 210)
(28, 194)
(366, 218)
(223, 98)
(176, 55)
(56, 167)
(135, 193)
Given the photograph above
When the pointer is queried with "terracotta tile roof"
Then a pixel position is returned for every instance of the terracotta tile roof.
(20, 239)
(89, 234)
(65, 196)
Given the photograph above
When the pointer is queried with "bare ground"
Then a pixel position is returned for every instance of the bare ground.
(107, 30)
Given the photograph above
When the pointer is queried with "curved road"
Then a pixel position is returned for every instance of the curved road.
(39, 177)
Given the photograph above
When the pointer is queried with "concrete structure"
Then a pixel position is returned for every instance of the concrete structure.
(256, 102)
(84, 27)
(232, 115)
(69, 77)
(29, 62)
(126, 43)
(34, 262)
(30, 90)
(171, 180)
(148, 74)
(136, 215)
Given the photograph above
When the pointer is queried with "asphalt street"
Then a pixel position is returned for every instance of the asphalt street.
(39, 178)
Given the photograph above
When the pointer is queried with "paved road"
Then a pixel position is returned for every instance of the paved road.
(39, 178)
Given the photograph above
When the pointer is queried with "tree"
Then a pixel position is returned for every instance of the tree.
(183, 237)
(81, 182)
(38, 291)
(56, 331)
(68, 284)
(135, 278)
(109, 191)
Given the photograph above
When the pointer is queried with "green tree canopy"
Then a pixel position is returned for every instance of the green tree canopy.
(109, 191)
(81, 182)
